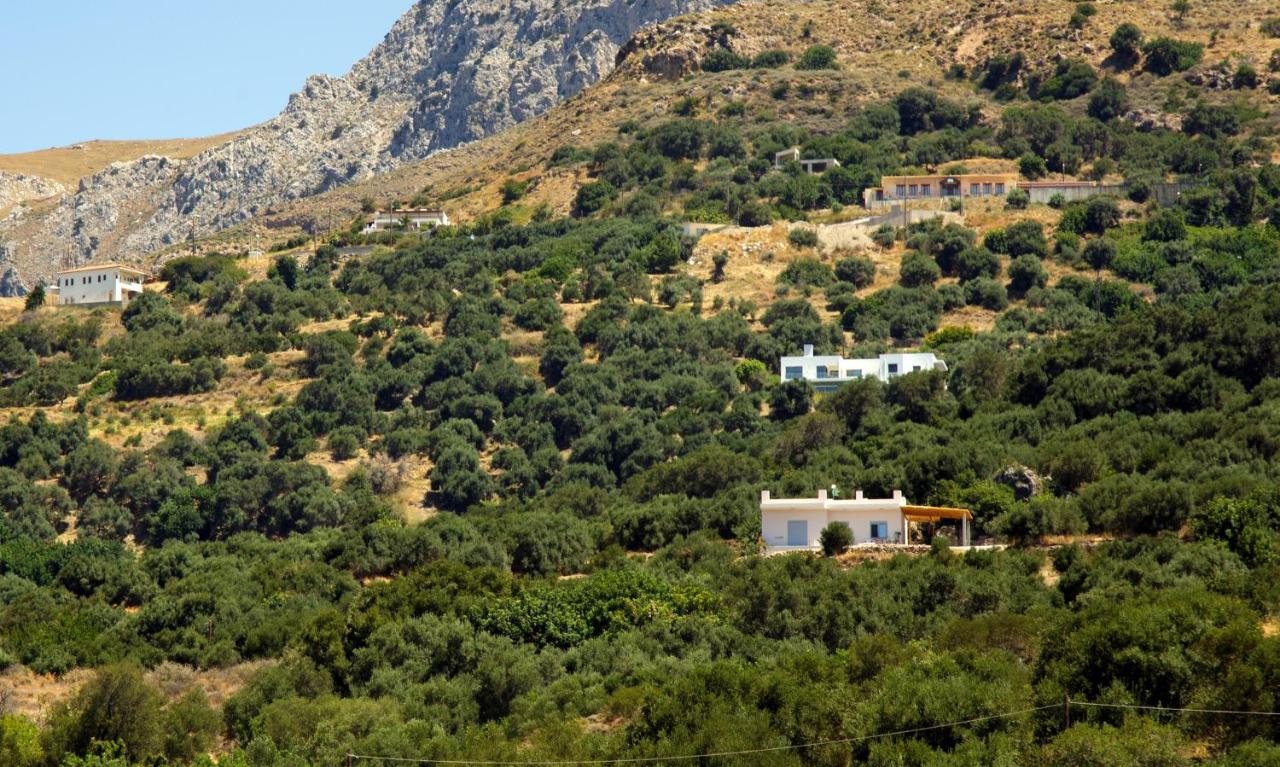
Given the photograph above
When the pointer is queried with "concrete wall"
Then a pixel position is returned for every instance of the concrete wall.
(773, 526)
(1044, 192)
(860, 521)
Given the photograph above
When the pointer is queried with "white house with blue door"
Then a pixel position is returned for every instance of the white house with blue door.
(795, 524)
(828, 371)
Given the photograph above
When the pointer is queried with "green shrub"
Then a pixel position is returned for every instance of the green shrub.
(345, 442)
(818, 57)
(1032, 166)
(1166, 55)
(1108, 101)
(918, 270)
(835, 538)
(723, 60)
(858, 271)
(807, 272)
(1245, 77)
(513, 190)
(593, 197)
(1071, 78)
(771, 59)
(1025, 273)
(1126, 42)
(802, 237)
(987, 293)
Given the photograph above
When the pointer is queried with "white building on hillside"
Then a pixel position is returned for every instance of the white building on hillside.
(408, 219)
(795, 524)
(811, 166)
(99, 284)
(828, 372)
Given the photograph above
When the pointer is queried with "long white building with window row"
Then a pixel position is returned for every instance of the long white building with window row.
(828, 372)
(99, 284)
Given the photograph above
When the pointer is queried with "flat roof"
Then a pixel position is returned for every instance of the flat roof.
(934, 513)
(99, 267)
(956, 176)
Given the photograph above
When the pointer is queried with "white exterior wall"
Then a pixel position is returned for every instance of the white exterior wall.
(860, 520)
(98, 286)
(859, 513)
(818, 369)
(387, 221)
(901, 364)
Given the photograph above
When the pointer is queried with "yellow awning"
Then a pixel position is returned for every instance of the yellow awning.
(934, 513)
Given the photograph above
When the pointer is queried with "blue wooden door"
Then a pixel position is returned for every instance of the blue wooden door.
(798, 533)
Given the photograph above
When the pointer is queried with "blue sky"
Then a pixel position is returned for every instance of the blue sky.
(149, 69)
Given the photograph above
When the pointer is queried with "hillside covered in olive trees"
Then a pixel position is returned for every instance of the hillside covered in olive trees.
(491, 493)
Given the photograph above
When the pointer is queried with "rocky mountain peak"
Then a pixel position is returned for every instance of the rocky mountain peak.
(448, 72)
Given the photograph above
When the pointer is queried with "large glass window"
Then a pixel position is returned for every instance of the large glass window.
(793, 373)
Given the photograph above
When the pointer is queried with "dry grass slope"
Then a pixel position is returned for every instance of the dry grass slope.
(67, 165)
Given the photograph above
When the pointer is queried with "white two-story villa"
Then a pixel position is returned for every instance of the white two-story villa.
(99, 284)
(827, 372)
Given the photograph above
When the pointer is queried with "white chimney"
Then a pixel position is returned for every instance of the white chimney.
(808, 350)
(764, 495)
(822, 495)
(897, 495)
(858, 496)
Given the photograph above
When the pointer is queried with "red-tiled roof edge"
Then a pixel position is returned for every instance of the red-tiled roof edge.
(98, 267)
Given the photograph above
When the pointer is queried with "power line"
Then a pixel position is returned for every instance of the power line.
(691, 757)
(1170, 709)
(1066, 704)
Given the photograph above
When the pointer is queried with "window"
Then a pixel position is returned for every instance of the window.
(986, 189)
(893, 368)
(1000, 189)
(915, 369)
(879, 531)
(902, 190)
(792, 373)
(974, 190)
(913, 190)
(825, 373)
(926, 190)
(855, 374)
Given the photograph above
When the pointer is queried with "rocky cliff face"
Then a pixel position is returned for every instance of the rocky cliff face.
(18, 188)
(449, 72)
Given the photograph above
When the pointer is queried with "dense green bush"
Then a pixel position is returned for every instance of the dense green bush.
(1165, 56)
(818, 57)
